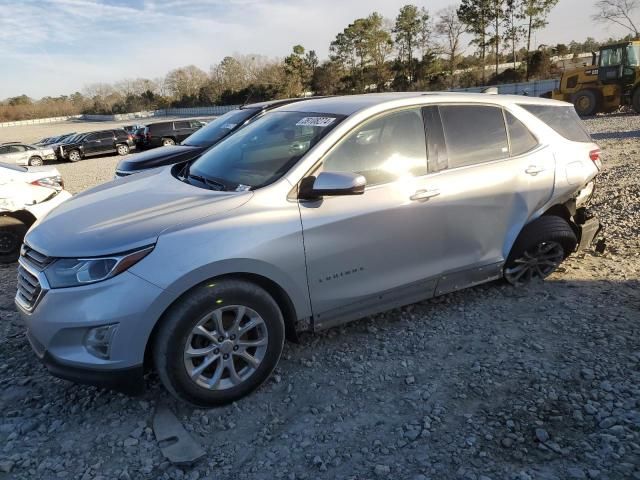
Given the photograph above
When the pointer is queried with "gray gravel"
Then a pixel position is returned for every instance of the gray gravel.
(489, 383)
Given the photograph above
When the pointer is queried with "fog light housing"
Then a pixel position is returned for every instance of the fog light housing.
(98, 340)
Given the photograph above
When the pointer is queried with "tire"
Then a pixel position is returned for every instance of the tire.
(635, 100)
(74, 156)
(122, 149)
(12, 232)
(539, 249)
(35, 161)
(167, 142)
(185, 377)
(586, 103)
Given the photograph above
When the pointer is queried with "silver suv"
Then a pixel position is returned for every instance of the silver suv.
(316, 214)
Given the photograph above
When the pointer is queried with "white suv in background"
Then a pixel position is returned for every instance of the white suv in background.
(26, 195)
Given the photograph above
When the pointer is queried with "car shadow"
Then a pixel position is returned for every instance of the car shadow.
(616, 135)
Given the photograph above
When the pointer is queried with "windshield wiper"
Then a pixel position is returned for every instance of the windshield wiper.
(207, 181)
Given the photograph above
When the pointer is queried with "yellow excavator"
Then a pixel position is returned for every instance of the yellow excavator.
(612, 80)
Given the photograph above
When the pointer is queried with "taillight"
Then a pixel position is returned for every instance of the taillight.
(594, 155)
(55, 182)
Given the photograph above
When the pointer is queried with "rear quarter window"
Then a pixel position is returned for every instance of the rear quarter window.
(563, 119)
(522, 140)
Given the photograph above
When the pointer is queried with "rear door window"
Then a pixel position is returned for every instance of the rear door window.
(522, 140)
(563, 119)
(105, 136)
(474, 134)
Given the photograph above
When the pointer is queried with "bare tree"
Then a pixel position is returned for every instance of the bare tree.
(451, 29)
(618, 12)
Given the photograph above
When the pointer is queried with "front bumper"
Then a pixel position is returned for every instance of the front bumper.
(59, 324)
(125, 380)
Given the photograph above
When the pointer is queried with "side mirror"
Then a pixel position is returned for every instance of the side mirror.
(331, 184)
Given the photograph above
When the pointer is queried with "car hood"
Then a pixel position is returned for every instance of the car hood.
(126, 214)
(158, 157)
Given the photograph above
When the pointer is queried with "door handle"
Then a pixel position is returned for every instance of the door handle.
(425, 194)
(533, 170)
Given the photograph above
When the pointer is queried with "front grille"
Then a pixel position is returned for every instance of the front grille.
(35, 258)
(29, 289)
(31, 264)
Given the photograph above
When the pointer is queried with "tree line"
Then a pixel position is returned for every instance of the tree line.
(416, 50)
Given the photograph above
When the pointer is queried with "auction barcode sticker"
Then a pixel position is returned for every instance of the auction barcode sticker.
(316, 121)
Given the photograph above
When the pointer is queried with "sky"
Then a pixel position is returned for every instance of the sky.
(54, 47)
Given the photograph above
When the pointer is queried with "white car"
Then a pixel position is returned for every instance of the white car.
(27, 194)
(23, 154)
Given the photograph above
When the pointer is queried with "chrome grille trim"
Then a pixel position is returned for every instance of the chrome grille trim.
(34, 257)
(32, 284)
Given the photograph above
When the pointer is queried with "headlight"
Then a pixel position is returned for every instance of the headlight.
(72, 272)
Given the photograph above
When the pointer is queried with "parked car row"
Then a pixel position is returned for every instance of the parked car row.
(298, 218)
(72, 147)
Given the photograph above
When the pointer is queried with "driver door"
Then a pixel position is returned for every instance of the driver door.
(381, 249)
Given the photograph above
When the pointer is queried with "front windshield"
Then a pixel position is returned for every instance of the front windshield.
(219, 128)
(264, 150)
(633, 55)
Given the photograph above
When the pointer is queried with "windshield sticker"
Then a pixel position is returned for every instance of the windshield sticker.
(243, 188)
(230, 126)
(316, 121)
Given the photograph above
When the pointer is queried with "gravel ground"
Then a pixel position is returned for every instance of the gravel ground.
(488, 383)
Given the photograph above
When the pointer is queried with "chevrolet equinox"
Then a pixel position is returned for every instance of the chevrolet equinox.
(318, 213)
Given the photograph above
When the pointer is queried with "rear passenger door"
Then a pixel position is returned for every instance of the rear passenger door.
(482, 203)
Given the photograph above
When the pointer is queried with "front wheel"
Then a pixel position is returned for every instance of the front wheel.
(12, 232)
(539, 250)
(35, 161)
(123, 149)
(167, 142)
(219, 343)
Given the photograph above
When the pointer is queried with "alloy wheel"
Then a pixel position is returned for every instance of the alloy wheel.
(537, 262)
(8, 241)
(226, 347)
